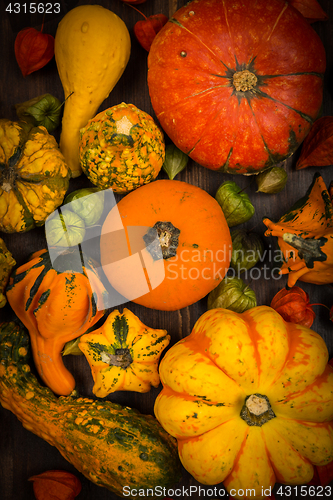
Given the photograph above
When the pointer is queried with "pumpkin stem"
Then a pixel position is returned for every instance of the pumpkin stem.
(309, 249)
(122, 358)
(257, 410)
(162, 238)
(244, 80)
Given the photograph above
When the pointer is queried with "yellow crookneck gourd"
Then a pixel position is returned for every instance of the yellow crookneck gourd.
(92, 49)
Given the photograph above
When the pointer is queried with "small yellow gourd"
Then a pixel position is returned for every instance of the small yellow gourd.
(92, 49)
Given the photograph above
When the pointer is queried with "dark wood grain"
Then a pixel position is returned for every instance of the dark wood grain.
(22, 454)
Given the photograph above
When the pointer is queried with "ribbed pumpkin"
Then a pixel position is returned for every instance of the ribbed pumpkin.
(165, 245)
(7, 263)
(121, 148)
(236, 84)
(113, 446)
(56, 307)
(305, 236)
(33, 176)
(249, 398)
(123, 354)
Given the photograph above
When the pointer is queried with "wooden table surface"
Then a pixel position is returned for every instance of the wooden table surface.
(22, 454)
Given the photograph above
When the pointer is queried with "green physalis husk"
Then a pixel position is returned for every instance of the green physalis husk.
(7, 263)
(88, 203)
(247, 249)
(175, 161)
(232, 294)
(44, 110)
(272, 181)
(235, 204)
(64, 229)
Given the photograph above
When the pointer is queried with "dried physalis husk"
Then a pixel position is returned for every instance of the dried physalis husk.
(272, 180)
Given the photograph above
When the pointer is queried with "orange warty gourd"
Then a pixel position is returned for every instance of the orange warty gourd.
(249, 398)
(165, 245)
(55, 307)
(236, 84)
(305, 237)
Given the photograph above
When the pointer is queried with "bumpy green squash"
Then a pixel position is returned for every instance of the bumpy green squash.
(111, 445)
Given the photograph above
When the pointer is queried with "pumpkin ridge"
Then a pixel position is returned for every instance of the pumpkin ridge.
(316, 382)
(35, 287)
(253, 335)
(289, 436)
(180, 25)
(238, 455)
(225, 166)
(197, 398)
(300, 113)
(312, 73)
(27, 213)
(278, 474)
(286, 5)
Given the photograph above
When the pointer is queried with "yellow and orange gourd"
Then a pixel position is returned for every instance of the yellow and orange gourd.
(249, 398)
(121, 148)
(305, 236)
(123, 354)
(34, 177)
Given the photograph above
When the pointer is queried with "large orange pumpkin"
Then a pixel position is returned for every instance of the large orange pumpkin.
(165, 245)
(236, 84)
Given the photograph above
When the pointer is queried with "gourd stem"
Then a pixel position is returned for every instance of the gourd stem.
(244, 80)
(162, 240)
(256, 410)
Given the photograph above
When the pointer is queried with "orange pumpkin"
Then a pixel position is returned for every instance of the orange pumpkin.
(236, 84)
(174, 249)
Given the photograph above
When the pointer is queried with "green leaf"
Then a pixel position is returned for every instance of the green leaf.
(175, 161)
(72, 347)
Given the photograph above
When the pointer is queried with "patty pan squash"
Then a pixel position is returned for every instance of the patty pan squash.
(33, 176)
(121, 148)
(249, 398)
(123, 354)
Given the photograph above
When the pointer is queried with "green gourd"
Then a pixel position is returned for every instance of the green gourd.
(111, 445)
